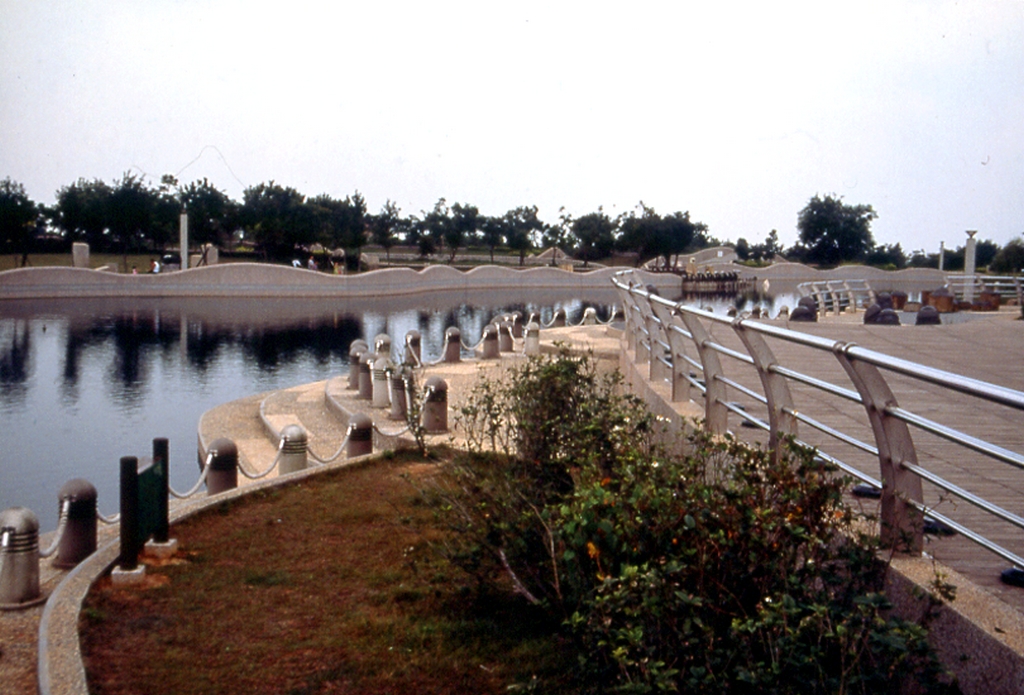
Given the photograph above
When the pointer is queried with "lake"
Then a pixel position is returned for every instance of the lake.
(85, 382)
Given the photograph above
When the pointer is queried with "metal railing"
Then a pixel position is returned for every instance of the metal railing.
(969, 287)
(689, 349)
(833, 296)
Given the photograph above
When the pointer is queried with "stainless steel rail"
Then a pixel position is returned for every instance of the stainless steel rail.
(687, 347)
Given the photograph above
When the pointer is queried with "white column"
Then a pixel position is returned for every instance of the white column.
(183, 240)
(969, 266)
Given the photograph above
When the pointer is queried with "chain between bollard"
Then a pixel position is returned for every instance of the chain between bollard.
(108, 519)
(272, 466)
(199, 483)
(321, 461)
(65, 509)
(396, 433)
(472, 349)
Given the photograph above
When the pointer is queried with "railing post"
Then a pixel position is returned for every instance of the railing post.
(902, 524)
(716, 415)
(677, 349)
(776, 388)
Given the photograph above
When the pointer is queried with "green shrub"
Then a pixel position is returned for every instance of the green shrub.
(727, 570)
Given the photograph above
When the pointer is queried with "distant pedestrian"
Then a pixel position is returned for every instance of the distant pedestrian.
(311, 263)
(154, 265)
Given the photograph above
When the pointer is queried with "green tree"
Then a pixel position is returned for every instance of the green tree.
(435, 227)
(18, 218)
(136, 218)
(340, 224)
(383, 226)
(1010, 258)
(81, 212)
(462, 229)
(890, 256)
(521, 224)
(595, 236)
(833, 232)
(492, 232)
(212, 215)
(277, 219)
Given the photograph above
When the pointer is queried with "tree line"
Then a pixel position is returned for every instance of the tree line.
(130, 215)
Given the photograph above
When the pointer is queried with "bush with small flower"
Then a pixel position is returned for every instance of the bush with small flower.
(730, 569)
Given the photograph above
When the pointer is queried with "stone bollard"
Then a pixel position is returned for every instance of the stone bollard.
(293, 450)
(397, 379)
(223, 473)
(884, 300)
(589, 316)
(79, 539)
(19, 550)
(360, 436)
(355, 354)
(452, 345)
(435, 405)
(380, 396)
(413, 352)
(517, 324)
(558, 321)
(803, 313)
(382, 345)
(366, 376)
(490, 343)
(928, 316)
(532, 346)
(505, 342)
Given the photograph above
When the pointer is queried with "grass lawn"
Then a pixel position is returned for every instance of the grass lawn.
(326, 586)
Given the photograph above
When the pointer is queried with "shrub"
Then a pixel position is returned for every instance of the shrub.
(727, 570)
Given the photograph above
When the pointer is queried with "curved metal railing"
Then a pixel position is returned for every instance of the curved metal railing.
(689, 348)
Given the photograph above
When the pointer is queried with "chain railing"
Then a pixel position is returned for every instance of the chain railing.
(689, 348)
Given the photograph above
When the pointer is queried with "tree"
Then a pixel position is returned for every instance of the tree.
(1010, 258)
(595, 236)
(277, 219)
(890, 257)
(492, 230)
(81, 212)
(520, 226)
(434, 227)
(833, 232)
(18, 217)
(340, 223)
(212, 215)
(383, 226)
(134, 216)
(462, 228)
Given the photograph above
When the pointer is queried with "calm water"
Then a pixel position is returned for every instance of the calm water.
(85, 382)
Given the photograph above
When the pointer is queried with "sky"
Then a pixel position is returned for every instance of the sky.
(738, 112)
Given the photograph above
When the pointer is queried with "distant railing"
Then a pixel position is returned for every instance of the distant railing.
(968, 287)
(687, 349)
(833, 296)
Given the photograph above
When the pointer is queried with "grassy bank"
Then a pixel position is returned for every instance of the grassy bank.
(327, 586)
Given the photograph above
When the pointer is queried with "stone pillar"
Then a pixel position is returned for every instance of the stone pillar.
(80, 255)
(969, 256)
(942, 254)
(183, 239)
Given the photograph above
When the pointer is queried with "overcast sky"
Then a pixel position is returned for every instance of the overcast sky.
(737, 112)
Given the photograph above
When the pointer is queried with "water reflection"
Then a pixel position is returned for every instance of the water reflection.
(84, 382)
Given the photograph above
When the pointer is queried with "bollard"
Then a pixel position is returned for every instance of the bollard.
(532, 346)
(928, 316)
(379, 386)
(413, 355)
(589, 316)
(223, 473)
(558, 321)
(355, 356)
(79, 539)
(382, 345)
(19, 558)
(517, 324)
(366, 376)
(505, 342)
(360, 436)
(490, 343)
(293, 450)
(452, 344)
(396, 379)
(435, 406)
